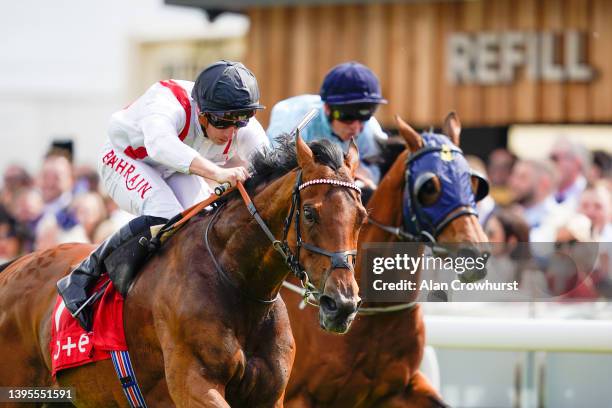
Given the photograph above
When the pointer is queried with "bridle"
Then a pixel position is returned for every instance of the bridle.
(339, 259)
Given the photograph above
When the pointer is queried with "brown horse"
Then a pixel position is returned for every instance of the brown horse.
(201, 336)
(377, 363)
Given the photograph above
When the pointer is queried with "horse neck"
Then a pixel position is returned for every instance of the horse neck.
(248, 256)
(386, 207)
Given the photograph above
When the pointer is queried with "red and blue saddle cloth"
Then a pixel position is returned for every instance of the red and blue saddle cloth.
(71, 346)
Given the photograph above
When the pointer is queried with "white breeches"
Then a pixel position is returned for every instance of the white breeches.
(140, 189)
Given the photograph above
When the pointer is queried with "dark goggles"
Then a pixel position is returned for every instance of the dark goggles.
(224, 120)
(352, 112)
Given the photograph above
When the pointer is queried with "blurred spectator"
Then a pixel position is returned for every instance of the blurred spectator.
(56, 184)
(601, 166)
(90, 212)
(501, 162)
(595, 203)
(15, 178)
(509, 237)
(59, 224)
(533, 183)
(10, 237)
(50, 233)
(27, 208)
(62, 147)
(570, 273)
(86, 180)
(116, 219)
(487, 204)
(571, 161)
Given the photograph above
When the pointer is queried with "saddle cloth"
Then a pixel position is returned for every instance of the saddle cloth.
(71, 346)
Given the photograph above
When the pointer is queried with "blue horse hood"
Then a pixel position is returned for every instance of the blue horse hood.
(442, 158)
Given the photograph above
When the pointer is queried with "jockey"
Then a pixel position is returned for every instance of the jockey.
(349, 96)
(166, 151)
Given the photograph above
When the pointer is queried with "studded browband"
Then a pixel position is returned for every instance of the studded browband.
(338, 183)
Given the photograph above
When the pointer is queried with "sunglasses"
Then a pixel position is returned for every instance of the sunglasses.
(224, 120)
(351, 113)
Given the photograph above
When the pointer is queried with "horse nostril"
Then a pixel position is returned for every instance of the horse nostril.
(358, 305)
(328, 304)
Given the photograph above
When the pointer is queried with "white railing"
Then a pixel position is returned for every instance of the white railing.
(554, 335)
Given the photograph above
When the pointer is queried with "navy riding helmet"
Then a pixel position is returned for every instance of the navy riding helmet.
(351, 83)
(226, 86)
(438, 181)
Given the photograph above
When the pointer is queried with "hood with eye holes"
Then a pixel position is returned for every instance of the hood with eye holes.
(454, 174)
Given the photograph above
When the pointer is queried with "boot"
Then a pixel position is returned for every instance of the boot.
(73, 288)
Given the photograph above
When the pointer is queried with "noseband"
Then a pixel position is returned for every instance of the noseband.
(339, 259)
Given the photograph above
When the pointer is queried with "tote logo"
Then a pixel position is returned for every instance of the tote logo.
(491, 58)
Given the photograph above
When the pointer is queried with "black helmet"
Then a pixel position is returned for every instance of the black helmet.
(226, 86)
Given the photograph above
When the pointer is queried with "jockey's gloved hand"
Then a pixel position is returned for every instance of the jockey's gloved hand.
(232, 175)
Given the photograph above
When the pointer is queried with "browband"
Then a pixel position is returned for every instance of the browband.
(338, 183)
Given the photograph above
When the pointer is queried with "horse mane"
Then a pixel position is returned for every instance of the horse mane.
(276, 161)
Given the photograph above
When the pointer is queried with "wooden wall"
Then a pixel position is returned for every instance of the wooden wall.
(291, 48)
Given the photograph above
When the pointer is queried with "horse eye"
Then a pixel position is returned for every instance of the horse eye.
(429, 190)
(309, 215)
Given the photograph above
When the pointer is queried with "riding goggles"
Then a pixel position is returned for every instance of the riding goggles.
(224, 120)
(352, 112)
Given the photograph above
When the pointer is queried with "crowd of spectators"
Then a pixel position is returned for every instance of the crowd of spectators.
(563, 200)
(59, 203)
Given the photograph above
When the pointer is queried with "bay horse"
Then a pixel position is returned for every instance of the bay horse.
(198, 335)
(377, 363)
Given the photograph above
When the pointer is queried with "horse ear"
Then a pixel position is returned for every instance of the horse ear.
(351, 159)
(411, 136)
(452, 127)
(304, 154)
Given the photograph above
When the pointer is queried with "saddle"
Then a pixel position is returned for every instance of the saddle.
(124, 263)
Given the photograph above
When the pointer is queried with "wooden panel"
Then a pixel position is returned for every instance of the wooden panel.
(350, 44)
(328, 42)
(423, 20)
(552, 109)
(470, 98)
(399, 64)
(300, 52)
(254, 56)
(577, 95)
(375, 47)
(290, 49)
(497, 98)
(525, 96)
(446, 97)
(601, 57)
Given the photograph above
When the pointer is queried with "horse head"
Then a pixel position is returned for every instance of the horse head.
(329, 216)
(440, 190)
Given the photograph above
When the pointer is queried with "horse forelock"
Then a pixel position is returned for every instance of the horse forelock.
(274, 162)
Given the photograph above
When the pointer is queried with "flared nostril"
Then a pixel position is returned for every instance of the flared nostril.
(328, 304)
